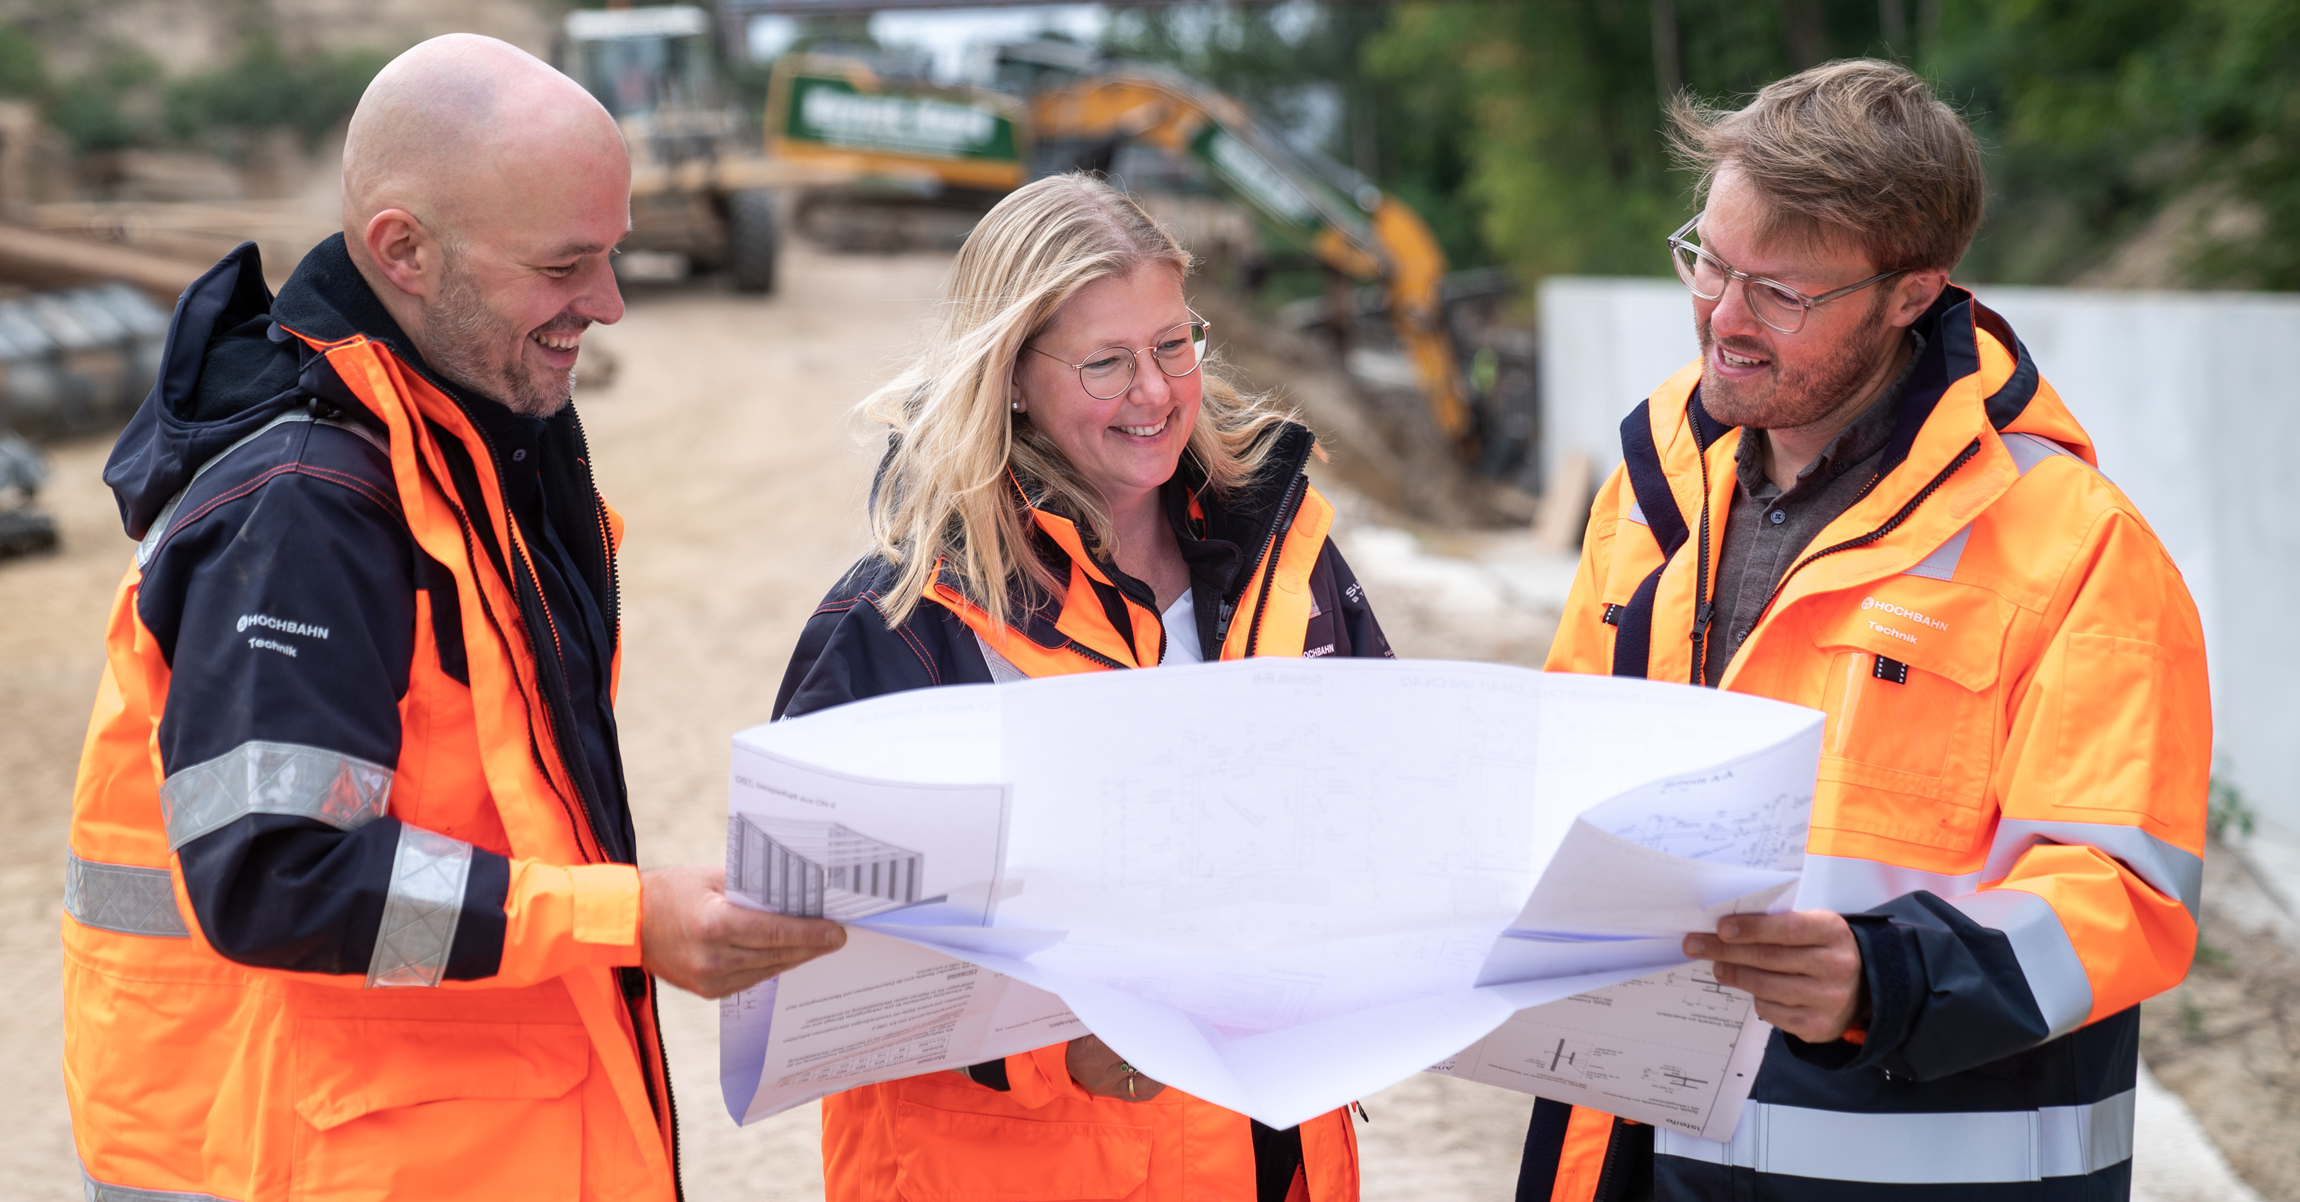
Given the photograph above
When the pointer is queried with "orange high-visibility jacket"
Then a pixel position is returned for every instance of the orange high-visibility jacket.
(2011, 797)
(192, 1075)
(1265, 581)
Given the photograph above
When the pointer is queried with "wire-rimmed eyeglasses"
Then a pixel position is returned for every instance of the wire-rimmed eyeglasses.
(1775, 303)
(1108, 373)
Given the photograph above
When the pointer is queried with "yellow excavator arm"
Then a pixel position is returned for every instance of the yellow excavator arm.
(1335, 214)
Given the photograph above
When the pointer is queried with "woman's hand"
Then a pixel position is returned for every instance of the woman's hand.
(1100, 1072)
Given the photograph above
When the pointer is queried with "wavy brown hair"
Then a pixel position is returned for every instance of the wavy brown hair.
(963, 469)
(1858, 148)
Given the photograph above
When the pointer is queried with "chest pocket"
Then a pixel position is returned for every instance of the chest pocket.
(1910, 690)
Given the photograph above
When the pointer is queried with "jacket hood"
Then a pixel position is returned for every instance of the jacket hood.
(1958, 329)
(177, 428)
(2039, 410)
(231, 364)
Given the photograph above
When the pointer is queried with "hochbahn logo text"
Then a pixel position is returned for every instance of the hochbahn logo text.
(1902, 612)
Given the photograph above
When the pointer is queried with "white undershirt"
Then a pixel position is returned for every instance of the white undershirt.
(1181, 622)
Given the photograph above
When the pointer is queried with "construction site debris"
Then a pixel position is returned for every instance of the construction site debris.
(44, 260)
(24, 530)
(79, 359)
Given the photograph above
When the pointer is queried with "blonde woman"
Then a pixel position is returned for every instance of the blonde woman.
(1071, 487)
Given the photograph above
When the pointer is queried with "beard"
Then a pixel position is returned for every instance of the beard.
(1787, 398)
(481, 349)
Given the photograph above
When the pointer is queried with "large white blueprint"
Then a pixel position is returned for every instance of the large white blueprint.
(1278, 885)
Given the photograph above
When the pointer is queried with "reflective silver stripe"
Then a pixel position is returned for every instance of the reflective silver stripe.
(1636, 513)
(121, 898)
(2168, 869)
(99, 1191)
(2048, 960)
(1942, 563)
(1850, 885)
(1920, 1149)
(1002, 669)
(421, 911)
(273, 778)
(2028, 450)
(167, 515)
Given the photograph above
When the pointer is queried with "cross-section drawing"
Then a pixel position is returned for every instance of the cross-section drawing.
(818, 869)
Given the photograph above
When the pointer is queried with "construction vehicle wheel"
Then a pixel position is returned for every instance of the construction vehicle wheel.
(751, 239)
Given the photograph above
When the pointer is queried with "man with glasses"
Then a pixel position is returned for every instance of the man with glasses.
(1864, 498)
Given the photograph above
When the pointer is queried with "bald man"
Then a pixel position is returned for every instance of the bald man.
(352, 905)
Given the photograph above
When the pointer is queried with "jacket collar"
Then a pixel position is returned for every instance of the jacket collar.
(1946, 462)
(1221, 538)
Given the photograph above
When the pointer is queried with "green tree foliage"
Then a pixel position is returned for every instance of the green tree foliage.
(110, 105)
(124, 98)
(2108, 117)
(2103, 120)
(21, 71)
(1568, 163)
(267, 89)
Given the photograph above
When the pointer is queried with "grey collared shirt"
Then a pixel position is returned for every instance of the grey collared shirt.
(1769, 529)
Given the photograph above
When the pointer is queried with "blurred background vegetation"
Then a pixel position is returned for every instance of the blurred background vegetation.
(2130, 142)
(122, 98)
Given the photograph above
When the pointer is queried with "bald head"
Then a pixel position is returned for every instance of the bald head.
(482, 193)
(461, 123)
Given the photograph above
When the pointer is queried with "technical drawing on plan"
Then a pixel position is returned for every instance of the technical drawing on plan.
(1773, 836)
(1648, 1049)
(812, 869)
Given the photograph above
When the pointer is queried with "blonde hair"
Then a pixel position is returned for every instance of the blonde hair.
(1859, 148)
(962, 470)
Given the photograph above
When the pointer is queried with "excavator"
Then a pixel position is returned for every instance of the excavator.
(1064, 107)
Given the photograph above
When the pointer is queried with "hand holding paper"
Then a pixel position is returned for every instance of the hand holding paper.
(692, 938)
(1804, 969)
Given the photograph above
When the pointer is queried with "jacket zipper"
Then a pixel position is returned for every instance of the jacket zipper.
(550, 718)
(613, 605)
(1090, 653)
(1891, 524)
(1609, 1182)
(580, 814)
(1705, 610)
(1270, 548)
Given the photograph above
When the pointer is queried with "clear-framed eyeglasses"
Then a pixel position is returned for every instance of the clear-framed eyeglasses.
(1775, 303)
(1108, 373)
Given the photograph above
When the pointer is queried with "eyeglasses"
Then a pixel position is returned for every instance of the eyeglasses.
(1775, 303)
(1108, 373)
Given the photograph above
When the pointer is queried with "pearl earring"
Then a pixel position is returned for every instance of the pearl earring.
(1017, 406)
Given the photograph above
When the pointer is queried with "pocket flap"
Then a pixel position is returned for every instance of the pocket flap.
(951, 1156)
(346, 1068)
(1951, 630)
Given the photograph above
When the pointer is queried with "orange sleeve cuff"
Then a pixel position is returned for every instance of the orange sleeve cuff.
(559, 917)
(607, 909)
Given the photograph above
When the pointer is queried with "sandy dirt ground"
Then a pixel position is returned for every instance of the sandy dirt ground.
(724, 439)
